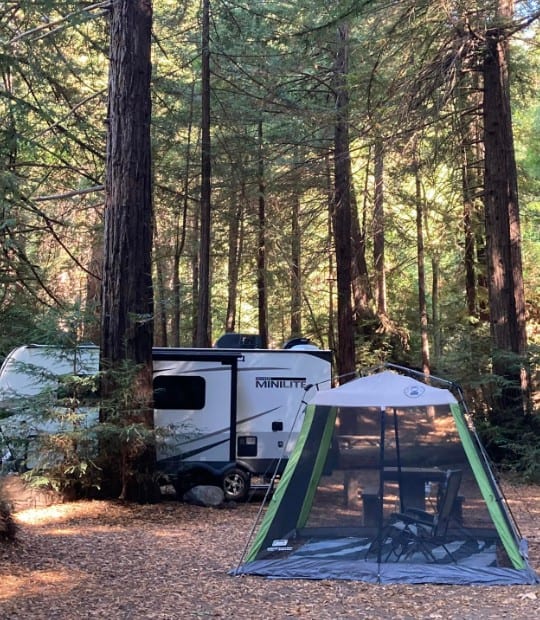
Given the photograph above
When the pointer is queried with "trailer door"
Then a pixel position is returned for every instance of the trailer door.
(195, 409)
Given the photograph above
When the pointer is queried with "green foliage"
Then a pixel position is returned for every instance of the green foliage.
(271, 62)
(56, 438)
(514, 446)
(53, 437)
(18, 319)
(506, 418)
(63, 326)
(126, 436)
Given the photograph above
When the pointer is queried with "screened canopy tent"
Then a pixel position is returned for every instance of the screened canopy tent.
(388, 483)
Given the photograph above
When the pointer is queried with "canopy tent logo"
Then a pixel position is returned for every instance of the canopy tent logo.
(414, 391)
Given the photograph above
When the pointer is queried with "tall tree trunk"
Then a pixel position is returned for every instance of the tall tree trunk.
(92, 329)
(235, 253)
(160, 296)
(360, 277)
(420, 258)
(331, 274)
(296, 271)
(176, 287)
(195, 281)
(435, 307)
(469, 249)
(505, 275)
(378, 230)
(127, 325)
(261, 253)
(472, 157)
(342, 211)
(203, 338)
(180, 234)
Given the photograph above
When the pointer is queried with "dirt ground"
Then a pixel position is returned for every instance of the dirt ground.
(110, 560)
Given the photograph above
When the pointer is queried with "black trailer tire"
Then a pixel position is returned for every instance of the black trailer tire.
(236, 483)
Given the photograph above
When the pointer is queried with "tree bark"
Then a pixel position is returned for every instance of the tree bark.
(342, 212)
(160, 296)
(127, 313)
(195, 283)
(261, 253)
(472, 156)
(360, 277)
(296, 271)
(331, 272)
(203, 338)
(420, 258)
(503, 242)
(180, 234)
(505, 276)
(435, 308)
(235, 253)
(378, 231)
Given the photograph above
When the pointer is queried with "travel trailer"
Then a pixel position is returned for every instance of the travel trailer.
(230, 414)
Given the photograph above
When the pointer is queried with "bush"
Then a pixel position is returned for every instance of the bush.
(515, 447)
(8, 527)
(69, 451)
(51, 436)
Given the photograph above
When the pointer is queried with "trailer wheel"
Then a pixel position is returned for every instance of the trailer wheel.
(236, 485)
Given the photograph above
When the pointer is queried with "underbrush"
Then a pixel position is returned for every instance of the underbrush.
(8, 527)
(515, 447)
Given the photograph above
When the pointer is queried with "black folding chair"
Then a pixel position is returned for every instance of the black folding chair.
(418, 530)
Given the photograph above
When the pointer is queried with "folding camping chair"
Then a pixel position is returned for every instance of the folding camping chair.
(417, 530)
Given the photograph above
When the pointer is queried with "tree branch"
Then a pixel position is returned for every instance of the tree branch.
(61, 20)
(75, 192)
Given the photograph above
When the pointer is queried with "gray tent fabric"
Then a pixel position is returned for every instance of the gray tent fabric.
(371, 572)
(368, 471)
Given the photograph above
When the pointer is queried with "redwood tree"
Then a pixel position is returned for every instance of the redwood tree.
(343, 212)
(127, 296)
(203, 338)
(262, 299)
(505, 276)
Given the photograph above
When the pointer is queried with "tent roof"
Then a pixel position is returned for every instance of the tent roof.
(384, 389)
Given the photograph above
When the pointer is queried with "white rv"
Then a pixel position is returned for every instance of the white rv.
(234, 413)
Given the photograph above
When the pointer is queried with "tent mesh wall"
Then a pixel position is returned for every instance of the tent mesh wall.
(383, 509)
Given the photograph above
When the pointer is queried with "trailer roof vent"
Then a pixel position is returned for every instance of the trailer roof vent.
(233, 340)
(302, 344)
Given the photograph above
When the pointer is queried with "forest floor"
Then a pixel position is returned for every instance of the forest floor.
(98, 559)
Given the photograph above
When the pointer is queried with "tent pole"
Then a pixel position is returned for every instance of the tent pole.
(381, 490)
(398, 459)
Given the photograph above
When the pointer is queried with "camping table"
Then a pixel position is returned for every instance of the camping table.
(413, 483)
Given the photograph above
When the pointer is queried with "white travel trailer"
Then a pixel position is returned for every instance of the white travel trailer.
(234, 413)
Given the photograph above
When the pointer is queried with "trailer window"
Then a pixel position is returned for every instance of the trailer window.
(172, 392)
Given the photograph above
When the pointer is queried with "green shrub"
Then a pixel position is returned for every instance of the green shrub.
(8, 527)
(514, 447)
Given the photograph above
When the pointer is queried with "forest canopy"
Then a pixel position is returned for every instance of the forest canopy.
(355, 183)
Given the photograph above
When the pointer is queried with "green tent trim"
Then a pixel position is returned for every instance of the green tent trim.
(487, 489)
(312, 437)
(321, 436)
(322, 454)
